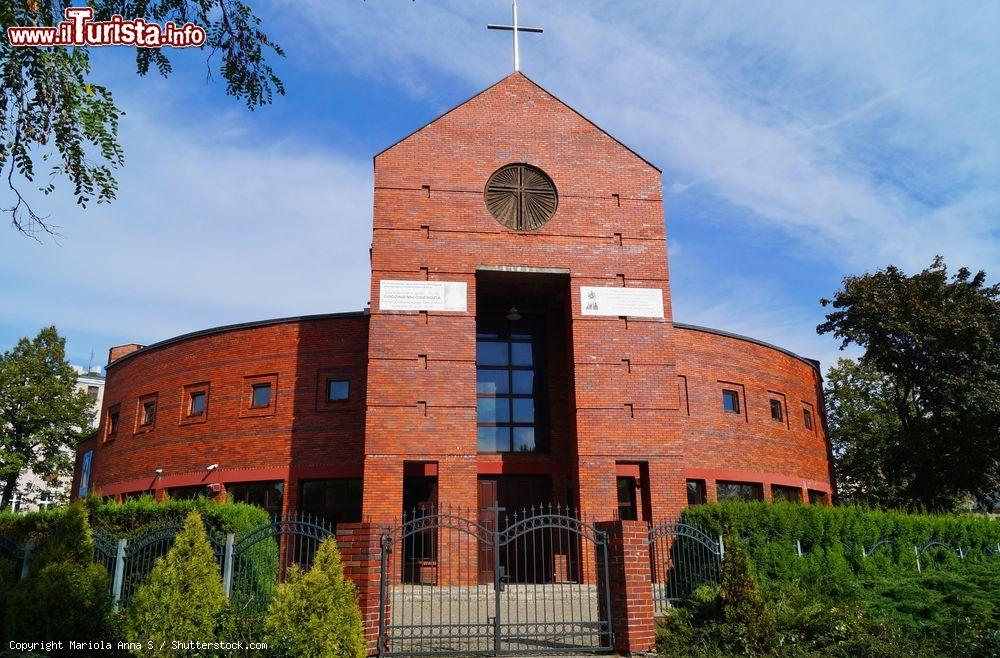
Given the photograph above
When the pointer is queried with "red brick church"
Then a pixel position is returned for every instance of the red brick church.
(519, 349)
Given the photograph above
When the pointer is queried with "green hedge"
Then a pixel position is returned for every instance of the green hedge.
(831, 601)
(134, 517)
(832, 537)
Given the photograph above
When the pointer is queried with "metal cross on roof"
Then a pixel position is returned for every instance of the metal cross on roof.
(515, 28)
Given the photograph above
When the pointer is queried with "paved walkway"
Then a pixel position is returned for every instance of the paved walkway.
(532, 618)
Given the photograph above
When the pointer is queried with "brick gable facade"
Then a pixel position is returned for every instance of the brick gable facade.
(624, 396)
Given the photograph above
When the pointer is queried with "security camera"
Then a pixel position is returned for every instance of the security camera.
(159, 471)
(212, 467)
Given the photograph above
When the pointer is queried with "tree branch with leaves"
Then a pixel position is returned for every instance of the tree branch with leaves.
(54, 113)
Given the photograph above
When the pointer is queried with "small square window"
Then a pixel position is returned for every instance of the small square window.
(807, 418)
(731, 401)
(260, 398)
(776, 410)
(93, 392)
(337, 390)
(196, 403)
(148, 413)
(817, 497)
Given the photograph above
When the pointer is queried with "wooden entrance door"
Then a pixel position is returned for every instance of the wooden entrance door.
(488, 499)
(515, 494)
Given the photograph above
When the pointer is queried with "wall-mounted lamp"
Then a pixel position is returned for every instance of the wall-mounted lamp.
(513, 314)
(212, 467)
(158, 472)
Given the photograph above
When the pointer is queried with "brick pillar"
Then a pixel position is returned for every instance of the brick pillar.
(631, 612)
(360, 551)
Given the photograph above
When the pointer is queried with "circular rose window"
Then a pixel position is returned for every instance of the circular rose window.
(521, 197)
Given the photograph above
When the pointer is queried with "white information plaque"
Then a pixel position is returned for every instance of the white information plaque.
(616, 301)
(422, 295)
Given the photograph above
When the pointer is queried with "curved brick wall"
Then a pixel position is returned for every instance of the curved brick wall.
(749, 446)
(299, 436)
(302, 436)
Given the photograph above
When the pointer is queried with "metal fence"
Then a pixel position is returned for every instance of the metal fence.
(682, 557)
(251, 564)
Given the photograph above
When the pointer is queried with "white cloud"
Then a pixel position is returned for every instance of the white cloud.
(834, 123)
(209, 228)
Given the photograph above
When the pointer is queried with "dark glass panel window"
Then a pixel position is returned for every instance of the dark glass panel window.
(788, 494)
(740, 491)
(493, 382)
(509, 412)
(817, 497)
(776, 410)
(261, 397)
(188, 493)
(266, 495)
(807, 418)
(419, 500)
(93, 392)
(731, 401)
(523, 382)
(493, 410)
(112, 422)
(523, 439)
(696, 492)
(520, 354)
(148, 413)
(493, 439)
(335, 501)
(492, 353)
(627, 510)
(524, 410)
(337, 390)
(196, 406)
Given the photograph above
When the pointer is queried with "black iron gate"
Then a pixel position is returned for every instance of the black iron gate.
(535, 581)
(682, 557)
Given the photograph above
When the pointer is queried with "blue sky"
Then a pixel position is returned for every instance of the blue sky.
(799, 142)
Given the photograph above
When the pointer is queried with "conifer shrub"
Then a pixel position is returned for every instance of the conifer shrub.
(748, 625)
(831, 601)
(315, 613)
(66, 596)
(183, 597)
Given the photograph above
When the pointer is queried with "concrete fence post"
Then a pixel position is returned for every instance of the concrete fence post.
(227, 565)
(361, 554)
(631, 587)
(119, 579)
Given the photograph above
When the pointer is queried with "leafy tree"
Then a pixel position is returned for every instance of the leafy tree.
(41, 411)
(183, 598)
(66, 596)
(53, 111)
(316, 614)
(937, 340)
(866, 436)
